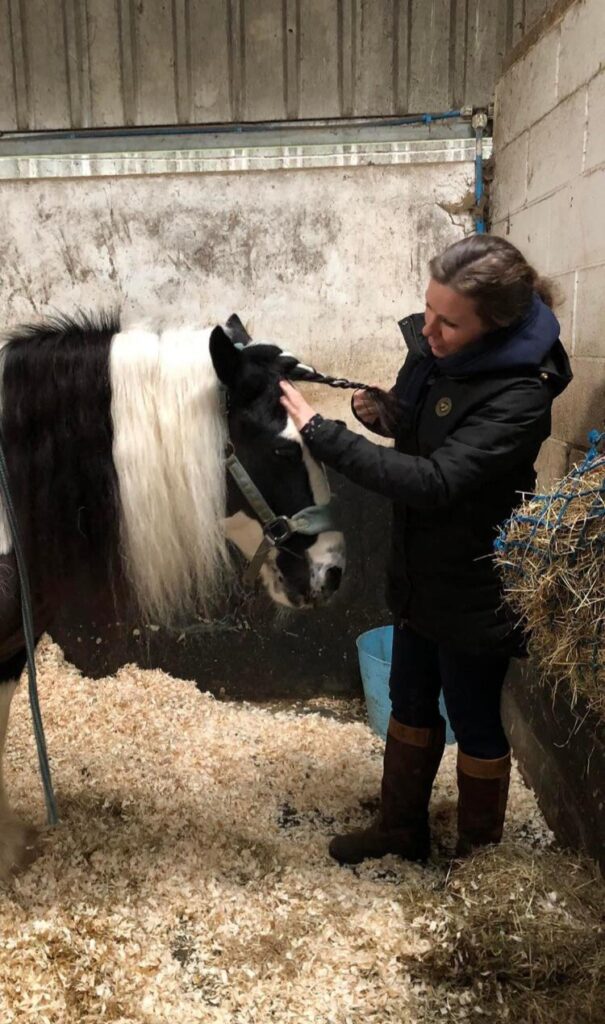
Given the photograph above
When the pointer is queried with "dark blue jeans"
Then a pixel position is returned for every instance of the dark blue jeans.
(471, 684)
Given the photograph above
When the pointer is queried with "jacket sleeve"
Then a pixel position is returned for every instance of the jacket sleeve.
(488, 443)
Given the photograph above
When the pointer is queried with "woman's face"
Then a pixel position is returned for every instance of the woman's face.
(451, 321)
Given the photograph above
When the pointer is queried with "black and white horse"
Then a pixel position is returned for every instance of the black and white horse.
(115, 444)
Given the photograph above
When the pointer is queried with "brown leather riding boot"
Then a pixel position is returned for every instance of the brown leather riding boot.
(411, 759)
(482, 796)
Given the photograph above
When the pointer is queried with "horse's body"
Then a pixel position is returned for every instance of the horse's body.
(115, 445)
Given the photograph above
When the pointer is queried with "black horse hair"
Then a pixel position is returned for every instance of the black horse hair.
(57, 437)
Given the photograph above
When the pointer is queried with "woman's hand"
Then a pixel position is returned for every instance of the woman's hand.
(365, 405)
(295, 405)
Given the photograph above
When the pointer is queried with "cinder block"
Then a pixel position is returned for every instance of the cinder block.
(578, 224)
(582, 45)
(564, 306)
(555, 147)
(595, 143)
(590, 313)
(563, 232)
(551, 463)
(509, 192)
(531, 229)
(581, 407)
(589, 218)
(500, 227)
(576, 457)
(527, 91)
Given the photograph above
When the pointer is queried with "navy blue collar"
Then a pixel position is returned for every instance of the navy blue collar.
(524, 344)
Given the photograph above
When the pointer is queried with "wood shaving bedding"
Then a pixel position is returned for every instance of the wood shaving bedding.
(189, 878)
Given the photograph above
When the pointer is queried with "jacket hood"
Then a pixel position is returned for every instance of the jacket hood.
(531, 344)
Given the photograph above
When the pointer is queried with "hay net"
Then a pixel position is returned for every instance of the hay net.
(550, 554)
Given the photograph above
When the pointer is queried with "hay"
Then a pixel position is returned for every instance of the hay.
(189, 879)
(516, 940)
(551, 556)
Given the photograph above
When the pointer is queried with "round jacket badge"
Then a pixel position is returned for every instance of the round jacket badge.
(443, 407)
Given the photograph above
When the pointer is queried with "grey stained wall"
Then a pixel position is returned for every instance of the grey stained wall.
(103, 63)
(290, 250)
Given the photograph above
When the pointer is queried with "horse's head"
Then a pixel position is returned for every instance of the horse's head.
(305, 569)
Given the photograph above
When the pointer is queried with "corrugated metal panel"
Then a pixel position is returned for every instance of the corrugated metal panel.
(522, 15)
(429, 67)
(7, 83)
(263, 60)
(318, 77)
(102, 68)
(486, 39)
(81, 63)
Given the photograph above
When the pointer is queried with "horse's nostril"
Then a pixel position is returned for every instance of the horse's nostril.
(333, 578)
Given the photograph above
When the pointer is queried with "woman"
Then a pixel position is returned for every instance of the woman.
(468, 414)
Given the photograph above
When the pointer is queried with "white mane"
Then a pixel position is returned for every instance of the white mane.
(169, 439)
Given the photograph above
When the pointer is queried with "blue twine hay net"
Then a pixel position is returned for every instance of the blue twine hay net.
(551, 556)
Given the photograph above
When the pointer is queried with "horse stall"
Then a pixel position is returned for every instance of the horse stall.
(162, 167)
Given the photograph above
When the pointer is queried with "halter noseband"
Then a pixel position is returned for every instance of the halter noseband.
(276, 529)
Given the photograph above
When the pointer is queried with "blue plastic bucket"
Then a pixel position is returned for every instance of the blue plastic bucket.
(374, 652)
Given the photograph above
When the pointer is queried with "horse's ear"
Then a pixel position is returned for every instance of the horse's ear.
(287, 365)
(226, 358)
(236, 330)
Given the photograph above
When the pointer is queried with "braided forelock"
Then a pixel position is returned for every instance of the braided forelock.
(294, 370)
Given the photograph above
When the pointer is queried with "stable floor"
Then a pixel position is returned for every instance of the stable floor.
(189, 878)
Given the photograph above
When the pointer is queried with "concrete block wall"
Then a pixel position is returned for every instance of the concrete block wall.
(549, 198)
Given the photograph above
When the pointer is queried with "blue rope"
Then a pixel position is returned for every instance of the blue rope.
(548, 503)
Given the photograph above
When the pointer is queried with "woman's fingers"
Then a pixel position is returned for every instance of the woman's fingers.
(295, 405)
(365, 406)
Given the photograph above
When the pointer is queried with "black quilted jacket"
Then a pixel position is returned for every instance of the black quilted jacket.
(469, 428)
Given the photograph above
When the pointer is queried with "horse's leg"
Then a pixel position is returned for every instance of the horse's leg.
(17, 841)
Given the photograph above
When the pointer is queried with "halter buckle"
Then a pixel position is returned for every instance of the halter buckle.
(277, 531)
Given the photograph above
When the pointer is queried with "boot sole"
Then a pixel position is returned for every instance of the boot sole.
(352, 859)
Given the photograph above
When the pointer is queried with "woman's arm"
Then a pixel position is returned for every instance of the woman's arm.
(488, 443)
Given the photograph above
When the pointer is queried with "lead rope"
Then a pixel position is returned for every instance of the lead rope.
(30, 644)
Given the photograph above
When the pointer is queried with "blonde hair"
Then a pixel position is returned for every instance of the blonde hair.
(495, 274)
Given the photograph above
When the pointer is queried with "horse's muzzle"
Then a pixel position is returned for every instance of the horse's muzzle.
(330, 585)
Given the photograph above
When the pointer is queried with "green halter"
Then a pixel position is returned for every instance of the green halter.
(276, 529)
